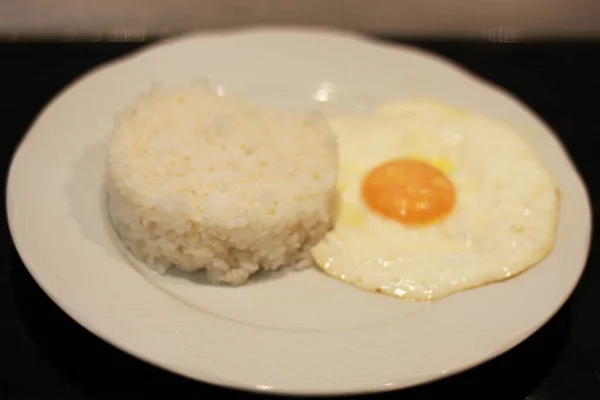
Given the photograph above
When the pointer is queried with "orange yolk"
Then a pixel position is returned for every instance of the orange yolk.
(409, 191)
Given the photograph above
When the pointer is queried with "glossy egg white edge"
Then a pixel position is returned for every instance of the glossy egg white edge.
(75, 271)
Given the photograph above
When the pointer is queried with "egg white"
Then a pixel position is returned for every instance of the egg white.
(503, 221)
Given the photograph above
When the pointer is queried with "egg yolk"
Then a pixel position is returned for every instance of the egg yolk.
(409, 191)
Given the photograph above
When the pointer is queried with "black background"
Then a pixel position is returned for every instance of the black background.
(46, 355)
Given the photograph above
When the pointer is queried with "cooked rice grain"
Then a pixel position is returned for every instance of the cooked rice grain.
(201, 181)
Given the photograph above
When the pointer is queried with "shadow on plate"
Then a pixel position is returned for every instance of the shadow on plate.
(87, 199)
(99, 371)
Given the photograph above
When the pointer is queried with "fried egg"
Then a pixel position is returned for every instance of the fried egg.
(434, 200)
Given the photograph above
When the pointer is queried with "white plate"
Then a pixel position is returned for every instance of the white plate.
(300, 333)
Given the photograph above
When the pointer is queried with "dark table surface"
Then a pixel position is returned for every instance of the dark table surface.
(46, 355)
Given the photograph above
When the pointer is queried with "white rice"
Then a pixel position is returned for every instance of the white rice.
(201, 181)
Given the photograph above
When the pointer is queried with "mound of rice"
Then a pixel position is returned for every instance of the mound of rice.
(202, 181)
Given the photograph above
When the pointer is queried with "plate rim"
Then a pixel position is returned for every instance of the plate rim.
(156, 47)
